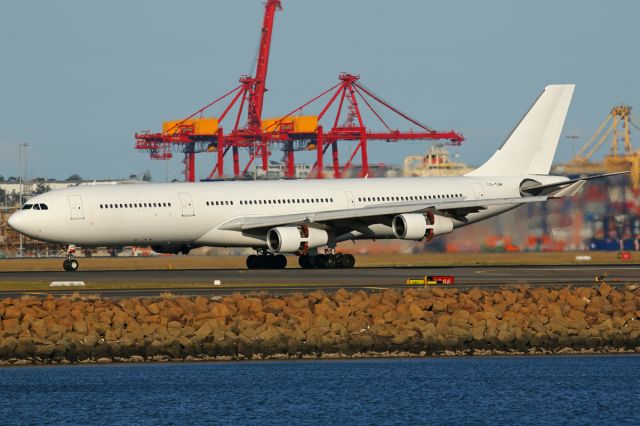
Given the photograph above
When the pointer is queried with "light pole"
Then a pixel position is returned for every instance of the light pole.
(573, 139)
(22, 160)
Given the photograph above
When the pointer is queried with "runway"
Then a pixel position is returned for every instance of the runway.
(201, 281)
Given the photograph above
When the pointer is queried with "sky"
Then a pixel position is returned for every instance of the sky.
(78, 78)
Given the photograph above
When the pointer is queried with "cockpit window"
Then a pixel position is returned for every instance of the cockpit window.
(39, 206)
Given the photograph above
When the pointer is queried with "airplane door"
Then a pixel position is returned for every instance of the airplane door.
(187, 205)
(75, 203)
(350, 201)
(477, 190)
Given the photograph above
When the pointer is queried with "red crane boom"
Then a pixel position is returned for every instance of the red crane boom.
(257, 84)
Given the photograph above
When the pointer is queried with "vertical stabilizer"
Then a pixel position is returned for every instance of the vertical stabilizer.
(530, 147)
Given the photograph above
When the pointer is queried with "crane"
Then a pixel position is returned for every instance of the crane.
(621, 156)
(290, 133)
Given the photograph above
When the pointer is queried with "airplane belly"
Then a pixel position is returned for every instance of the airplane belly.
(225, 238)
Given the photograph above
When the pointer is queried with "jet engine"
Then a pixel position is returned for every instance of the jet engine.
(295, 239)
(415, 226)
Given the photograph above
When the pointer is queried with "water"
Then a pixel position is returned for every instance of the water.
(501, 390)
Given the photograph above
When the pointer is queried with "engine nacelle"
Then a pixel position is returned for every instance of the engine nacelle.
(295, 239)
(415, 226)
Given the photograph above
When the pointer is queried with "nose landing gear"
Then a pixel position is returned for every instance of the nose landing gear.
(70, 264)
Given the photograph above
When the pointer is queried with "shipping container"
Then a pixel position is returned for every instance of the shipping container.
(297, 124)
(192, 126)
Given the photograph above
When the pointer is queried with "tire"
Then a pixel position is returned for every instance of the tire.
(73, 265)
(329, 261)
(348, 261)
(264, 262)
(252, 261)
(279, 261)
(303, 261)
(65, 265)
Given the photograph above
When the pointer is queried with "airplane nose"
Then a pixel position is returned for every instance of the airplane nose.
(17, 221)
(14, 221)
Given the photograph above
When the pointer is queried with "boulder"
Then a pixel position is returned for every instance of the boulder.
(273, 305)
(12, 311)
(203, 332)
(11, 327)
(604, 289)
(416, 312)
(39, 328)
(153, 308)
(220, 310)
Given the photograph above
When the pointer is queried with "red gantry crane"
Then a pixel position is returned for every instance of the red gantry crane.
(290, 133)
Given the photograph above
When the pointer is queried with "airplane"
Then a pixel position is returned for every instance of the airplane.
(301, 216)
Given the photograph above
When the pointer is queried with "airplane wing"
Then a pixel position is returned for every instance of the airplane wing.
(246, 223)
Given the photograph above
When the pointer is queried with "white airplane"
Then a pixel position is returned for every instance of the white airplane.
(300, 216)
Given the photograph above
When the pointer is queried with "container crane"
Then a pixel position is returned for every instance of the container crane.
(621, 156)
(290, 133)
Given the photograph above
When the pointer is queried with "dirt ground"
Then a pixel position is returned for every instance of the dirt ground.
(232, 262)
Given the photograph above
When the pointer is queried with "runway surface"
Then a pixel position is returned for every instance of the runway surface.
(290, 280)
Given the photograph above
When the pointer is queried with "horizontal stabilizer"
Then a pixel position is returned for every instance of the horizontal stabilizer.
(566, 188)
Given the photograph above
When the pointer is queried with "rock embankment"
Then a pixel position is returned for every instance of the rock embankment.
(431, 321)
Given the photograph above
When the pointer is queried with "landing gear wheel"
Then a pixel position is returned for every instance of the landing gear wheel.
(307, 262)
(70, 265)
(73, 265)
(279, 261)
(348, 261)
(328, 261)
(252, 261)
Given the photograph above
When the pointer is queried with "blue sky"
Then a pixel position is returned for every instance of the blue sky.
(79, 78)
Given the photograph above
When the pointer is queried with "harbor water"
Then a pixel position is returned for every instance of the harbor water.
(459, 390)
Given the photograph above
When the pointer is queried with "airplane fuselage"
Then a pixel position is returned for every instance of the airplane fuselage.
(192, 213)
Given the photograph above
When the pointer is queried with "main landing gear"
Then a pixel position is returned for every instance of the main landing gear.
(70, 264)
(263, 260)
(327, 261)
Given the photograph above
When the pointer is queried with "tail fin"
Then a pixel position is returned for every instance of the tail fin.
(530, 147)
